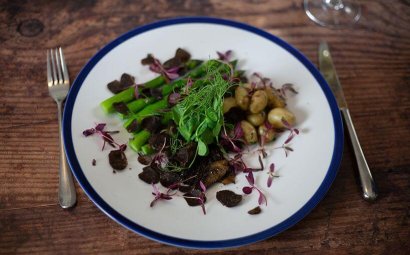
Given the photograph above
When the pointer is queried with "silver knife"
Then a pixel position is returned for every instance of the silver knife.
(329, 72)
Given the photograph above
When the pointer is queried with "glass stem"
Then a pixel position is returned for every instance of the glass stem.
(334, 4)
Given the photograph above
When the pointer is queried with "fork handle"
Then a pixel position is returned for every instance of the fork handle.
(366, 178)
(66, 190)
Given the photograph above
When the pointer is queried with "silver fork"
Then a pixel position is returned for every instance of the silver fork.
(58, 86)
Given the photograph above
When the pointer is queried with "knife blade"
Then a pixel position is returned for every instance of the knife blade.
(329, 73)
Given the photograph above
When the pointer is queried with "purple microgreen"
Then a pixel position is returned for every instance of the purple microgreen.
(169, 74)
(247, 190)
(88, 132)
(261, 198)
(290, 137)
(188, 85)
(158, 195)
(293, 131)
(179, 183)
(286, 87)
(123, 147)
(100, 127)
(233, 142)
(268, 125)
(271, 174)
(249, 177)
(262, 82)
(195, 198)
(105, 135)
(107, 139)
(172, 73)
(136, 91)
(161, 160)
(202, 185)
(238, 131)
(224, 56)
(271, 171)
(174, 98)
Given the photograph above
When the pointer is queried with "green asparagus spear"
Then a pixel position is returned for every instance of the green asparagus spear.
(139, 140)
(128, 94)
(148, 111)
(147, 149)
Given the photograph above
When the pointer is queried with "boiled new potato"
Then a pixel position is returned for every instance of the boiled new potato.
(259, 101)
(256, 119)
(249, 132)
(242, 97)
(228, 103)
(275, 117)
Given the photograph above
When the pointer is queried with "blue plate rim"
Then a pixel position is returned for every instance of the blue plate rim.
(109, 211)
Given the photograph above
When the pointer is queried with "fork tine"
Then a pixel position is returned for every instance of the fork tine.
(58, 64)
(64, 67)
(53, 68)
(49, 78)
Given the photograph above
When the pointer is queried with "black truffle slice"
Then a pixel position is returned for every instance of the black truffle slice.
(228, 198)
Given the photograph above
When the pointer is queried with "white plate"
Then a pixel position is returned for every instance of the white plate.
(305, 176)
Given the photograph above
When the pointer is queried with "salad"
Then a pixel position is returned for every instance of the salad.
(193, 123)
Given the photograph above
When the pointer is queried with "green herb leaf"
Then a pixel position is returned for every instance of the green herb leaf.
(202, 148)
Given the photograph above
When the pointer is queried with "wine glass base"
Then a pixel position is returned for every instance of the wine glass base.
(327, 16)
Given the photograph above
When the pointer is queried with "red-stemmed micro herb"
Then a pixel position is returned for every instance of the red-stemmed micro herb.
(159, 195)
(105, 135)
(160, 159)
(286, 87)
(293, 131)
(261, 82)
(224, 56)
(202, 196)
(156, 66)
(197, 197)
(174, 98)
(248, 189)
(271, 174)
(233, 143)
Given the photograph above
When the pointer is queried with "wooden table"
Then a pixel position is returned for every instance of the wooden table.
(372, 59)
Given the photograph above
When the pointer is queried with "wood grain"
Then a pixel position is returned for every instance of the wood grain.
(372, 60)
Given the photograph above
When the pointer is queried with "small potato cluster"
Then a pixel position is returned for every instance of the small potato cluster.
(261, 105)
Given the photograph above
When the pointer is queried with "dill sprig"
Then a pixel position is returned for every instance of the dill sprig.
(199, 115)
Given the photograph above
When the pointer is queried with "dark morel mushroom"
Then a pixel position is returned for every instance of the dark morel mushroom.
(151, 123)
(256, 210)
(169, 178)
(228, 198)
(125, 82)
(117, 159)
(149, 175)
(121, 107)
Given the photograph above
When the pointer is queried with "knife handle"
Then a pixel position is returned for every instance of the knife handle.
(366, 178)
